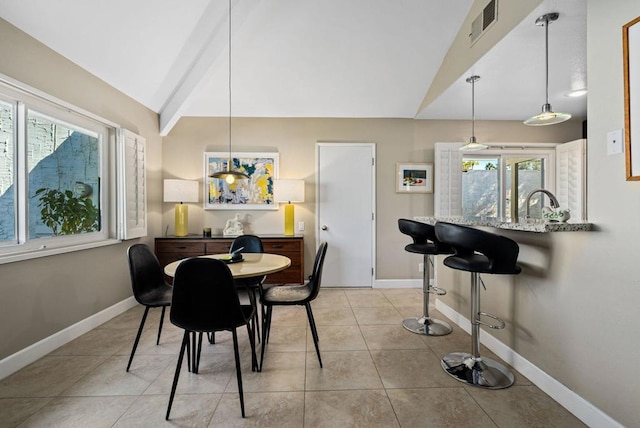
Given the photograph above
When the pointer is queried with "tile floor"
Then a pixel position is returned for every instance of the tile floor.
(376, 374)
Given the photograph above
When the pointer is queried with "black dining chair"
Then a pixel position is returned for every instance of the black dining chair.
(253, 285)
(149, 287)
(206, 300)
(283, 295)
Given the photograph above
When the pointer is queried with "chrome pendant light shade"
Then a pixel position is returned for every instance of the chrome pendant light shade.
(473, 145)
(229, 175)
(547, 116)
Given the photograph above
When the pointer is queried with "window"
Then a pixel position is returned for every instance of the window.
(56, 180)
(494, 183)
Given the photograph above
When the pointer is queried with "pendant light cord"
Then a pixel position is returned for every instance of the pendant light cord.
(473, 108)
(229, 165)
(546, 56)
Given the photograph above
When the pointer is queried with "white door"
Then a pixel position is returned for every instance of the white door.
(346, 212)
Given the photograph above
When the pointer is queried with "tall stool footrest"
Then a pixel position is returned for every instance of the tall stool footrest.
(501, 324)
(427, 326)
(480, 371)
(437, 291)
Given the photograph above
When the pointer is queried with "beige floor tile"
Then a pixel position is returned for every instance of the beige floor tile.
(110, 378)
(341, 370)
(438, 408)
(403, 296)
(214, 374)
(282, 371)
(334, 316)
(48, 376)
(378, 315)
(15, 410)
(523, 406)
(391, 337)
(369, 408)
(262, 409)
(283, 338)
(331, 298)
(80, 412)
(338, 338)
(367, 298)
(411, 369)
(189, 410)
(364, 350)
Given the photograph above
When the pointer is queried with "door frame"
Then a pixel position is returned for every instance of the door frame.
(372, 146)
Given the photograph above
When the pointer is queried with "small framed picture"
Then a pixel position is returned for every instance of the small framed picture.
(414, 177)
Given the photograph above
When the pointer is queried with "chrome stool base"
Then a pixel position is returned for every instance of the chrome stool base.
(427, 326)
(481, 372)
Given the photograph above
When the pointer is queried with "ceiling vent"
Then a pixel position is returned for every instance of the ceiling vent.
(484, 21)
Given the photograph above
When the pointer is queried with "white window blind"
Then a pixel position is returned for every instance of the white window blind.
(448, 180)
(571, 178)
(132, 185)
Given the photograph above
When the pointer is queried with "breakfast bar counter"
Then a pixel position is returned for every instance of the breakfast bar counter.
(530, 226)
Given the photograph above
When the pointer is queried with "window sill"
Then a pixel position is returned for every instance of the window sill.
(44, 252)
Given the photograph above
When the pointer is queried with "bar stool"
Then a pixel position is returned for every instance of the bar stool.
(477, 251)
(425, 243)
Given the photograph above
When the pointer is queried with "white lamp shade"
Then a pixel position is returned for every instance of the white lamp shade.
(180, 191)
(288, 190)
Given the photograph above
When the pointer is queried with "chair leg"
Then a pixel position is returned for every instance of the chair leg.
(185, 342)
(251, 292)
(212, 337)
(160, 326)
(314, 330)
(252, 342)
(266, 329)
(135, 342)
(199, 351)
(238, 369)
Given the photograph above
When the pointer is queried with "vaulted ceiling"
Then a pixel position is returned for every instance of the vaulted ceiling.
(309, 58)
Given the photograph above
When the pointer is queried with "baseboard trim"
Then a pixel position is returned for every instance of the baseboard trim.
(578, 406)
(28, 355)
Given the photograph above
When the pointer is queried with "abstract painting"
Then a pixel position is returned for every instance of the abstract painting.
(254, 193)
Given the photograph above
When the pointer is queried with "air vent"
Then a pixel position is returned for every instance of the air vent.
(483, 21)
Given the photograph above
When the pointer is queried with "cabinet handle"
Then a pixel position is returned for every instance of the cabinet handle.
(277, 246)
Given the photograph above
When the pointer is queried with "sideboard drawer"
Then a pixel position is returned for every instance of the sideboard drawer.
(171, 249)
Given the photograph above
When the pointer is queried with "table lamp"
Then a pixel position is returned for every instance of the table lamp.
(181, 191)
(288, 191)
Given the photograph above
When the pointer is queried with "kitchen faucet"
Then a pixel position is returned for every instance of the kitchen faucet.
(552, 199)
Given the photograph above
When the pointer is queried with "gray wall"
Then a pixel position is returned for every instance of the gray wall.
(43, 296)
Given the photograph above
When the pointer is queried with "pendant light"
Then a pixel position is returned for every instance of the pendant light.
(547, 116)
(473, 145)
(229, 175)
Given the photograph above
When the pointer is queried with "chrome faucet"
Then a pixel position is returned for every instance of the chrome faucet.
(553, 200)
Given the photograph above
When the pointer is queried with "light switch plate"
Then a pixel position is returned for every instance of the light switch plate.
(615, 143)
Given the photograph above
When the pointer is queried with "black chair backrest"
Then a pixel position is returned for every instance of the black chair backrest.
(251, 244)
(204, 296)
(146, 272)
(423, 235)
(316, 274)
(500, 251)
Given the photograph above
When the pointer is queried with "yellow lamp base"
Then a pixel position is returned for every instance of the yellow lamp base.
(182, 220)
(288, 220)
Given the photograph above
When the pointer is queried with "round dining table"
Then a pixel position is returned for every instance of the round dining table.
(253, 264)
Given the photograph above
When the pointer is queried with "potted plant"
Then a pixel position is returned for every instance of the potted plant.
(65, 213)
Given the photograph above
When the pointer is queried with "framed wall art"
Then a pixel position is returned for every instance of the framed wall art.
(414, 177)
(631, 66)
(254, 193)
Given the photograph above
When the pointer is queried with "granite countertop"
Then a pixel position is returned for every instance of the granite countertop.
(533, 226)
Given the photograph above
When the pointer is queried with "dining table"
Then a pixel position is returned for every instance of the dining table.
(251, 264)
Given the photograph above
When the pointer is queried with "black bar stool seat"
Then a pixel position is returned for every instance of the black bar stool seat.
(425, 243)
(477, 251)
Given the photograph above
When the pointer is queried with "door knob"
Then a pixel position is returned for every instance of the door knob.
(324, 227)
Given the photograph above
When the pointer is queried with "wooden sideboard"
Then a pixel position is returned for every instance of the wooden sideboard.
(170, 249)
